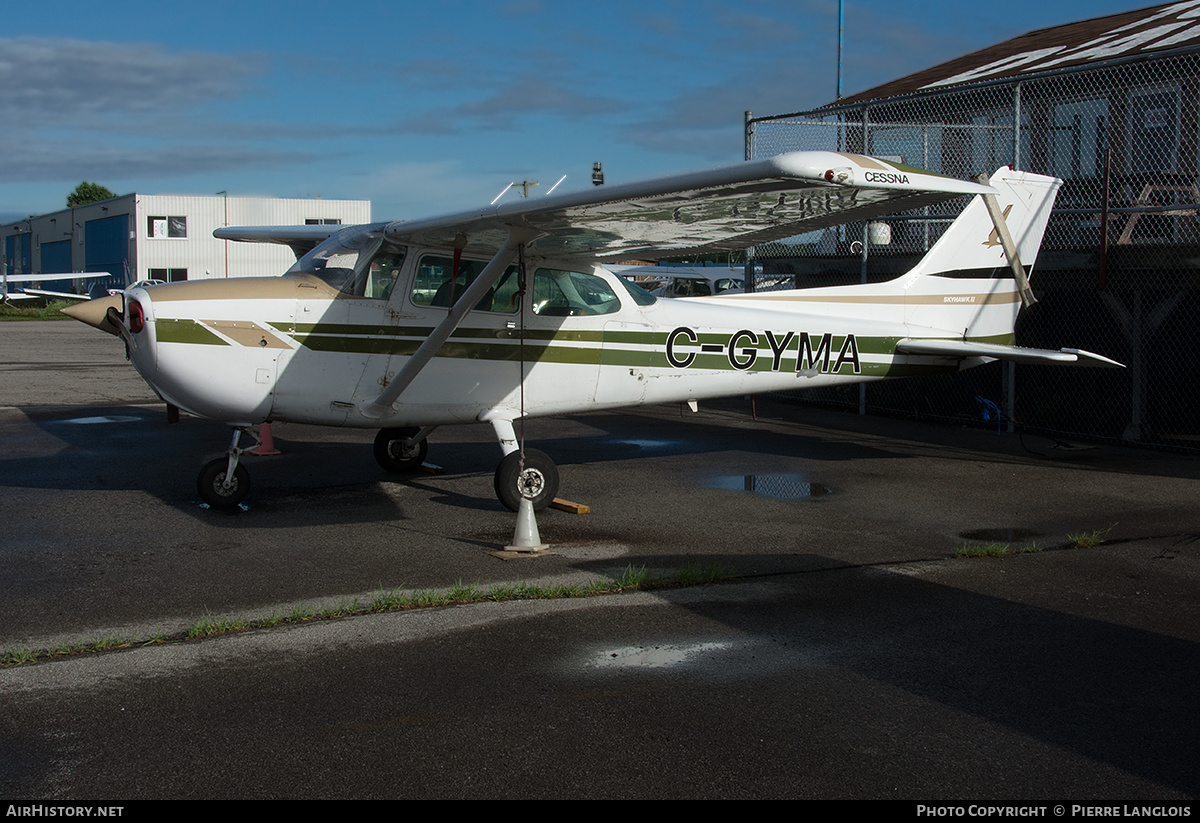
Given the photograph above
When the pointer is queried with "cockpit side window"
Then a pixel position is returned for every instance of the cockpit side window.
(438, 284)
(380, 276)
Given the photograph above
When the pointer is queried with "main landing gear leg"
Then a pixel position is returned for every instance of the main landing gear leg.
(523, 473)
(224, 483)
(400, 451)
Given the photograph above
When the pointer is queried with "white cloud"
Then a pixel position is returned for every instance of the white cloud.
(66, 81)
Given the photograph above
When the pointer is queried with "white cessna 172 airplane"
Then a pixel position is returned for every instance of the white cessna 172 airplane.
(502, 313)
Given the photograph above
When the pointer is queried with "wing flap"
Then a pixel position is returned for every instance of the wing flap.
(961, 349)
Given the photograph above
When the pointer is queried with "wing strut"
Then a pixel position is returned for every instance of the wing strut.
(1010, 248)
(474, 293)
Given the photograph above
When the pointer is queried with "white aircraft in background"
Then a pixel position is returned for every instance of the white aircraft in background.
(492, 315)
(684, 281)
(27, 293)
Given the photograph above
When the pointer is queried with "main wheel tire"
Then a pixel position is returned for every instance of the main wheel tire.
(538, 481)
(393, 453)
(211, 484)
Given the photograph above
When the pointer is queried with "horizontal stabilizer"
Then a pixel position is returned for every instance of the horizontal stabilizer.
(1017, 354)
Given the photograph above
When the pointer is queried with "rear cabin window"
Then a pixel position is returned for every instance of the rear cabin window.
(639, 294)
(558, 293)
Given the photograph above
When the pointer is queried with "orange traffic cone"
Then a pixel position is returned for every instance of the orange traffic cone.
(266, 444)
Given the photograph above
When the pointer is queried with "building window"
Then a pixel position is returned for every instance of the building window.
(168, 275)
(166, 227)
(1153, 131)
(325, 221)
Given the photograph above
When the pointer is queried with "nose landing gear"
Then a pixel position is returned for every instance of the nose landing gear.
(224, 483)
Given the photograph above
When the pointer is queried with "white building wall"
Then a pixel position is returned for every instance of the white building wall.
(204, 256)
(199, 253)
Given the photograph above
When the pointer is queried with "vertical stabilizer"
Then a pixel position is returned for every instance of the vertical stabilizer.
(965, 284)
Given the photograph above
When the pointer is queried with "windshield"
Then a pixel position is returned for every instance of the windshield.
(357, 261)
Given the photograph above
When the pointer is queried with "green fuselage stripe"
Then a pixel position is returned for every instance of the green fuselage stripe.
(185, 331)
(711, 350)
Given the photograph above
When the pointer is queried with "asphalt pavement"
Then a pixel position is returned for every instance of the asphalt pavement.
(855, 655)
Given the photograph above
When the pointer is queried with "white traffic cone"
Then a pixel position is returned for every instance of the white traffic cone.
(526, 537)
(266, 444)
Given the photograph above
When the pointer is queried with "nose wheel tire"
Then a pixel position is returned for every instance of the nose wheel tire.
(538, 481)
(215, 491)
(394, 454)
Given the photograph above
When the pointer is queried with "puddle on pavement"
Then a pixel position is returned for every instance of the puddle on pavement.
(999, 535)
(776, 486)
(647, 444)
(655, 657)
(110, 418)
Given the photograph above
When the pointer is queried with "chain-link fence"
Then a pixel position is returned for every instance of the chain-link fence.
(1118, 269)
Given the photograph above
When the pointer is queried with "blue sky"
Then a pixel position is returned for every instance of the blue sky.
(431, 107)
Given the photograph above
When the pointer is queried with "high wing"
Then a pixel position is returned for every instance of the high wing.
(959, 349)
(301, 239)
(42, 278)
(27, 293)
(723, 209)
(38, 294)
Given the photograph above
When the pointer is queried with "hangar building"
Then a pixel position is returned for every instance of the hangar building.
(1111, 106)
(163, 237)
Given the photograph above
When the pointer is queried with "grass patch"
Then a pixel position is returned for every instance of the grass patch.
(14, 657)
(989, 550)
(631, 579)
(49, 311)
(1088, 540)
(208, 626)
(995, 550)
(699, 574)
